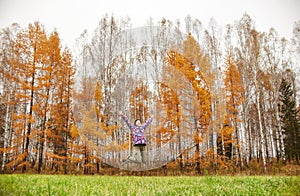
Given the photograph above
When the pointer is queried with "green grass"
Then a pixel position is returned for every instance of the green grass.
(133, 185)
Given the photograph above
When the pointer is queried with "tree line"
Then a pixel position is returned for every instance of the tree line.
(220, 100)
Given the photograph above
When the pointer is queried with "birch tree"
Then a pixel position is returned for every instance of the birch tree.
(248, 53)
(7, 90)
(212, 46)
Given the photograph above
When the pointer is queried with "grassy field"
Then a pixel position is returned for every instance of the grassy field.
(132, 185)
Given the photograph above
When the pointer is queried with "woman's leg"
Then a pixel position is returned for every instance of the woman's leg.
(143, 151)
(135, 157)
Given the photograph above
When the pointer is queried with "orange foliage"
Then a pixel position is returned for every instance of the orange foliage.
(138, 103)
(188, 70)
(74, 132)
(98, 96)
(165, 135)
(233, 87)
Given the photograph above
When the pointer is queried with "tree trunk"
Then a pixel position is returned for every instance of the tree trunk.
(27, 139)
(239, 152)
(7, 134)
(262, 136)
(279, 135)
(41, 150)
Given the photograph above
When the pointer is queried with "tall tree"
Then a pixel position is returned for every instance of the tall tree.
(29, 56)
(273, 49)
(234, 98)
(248, 52)
(202, 110)
(108, 44)
(168, 98)
(212, 46)
(290, 120)
(61, 110)
(51, 70)
(201, 63)
(7, 93)
(295, 53)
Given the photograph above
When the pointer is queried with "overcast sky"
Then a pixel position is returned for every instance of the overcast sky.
(71, 17)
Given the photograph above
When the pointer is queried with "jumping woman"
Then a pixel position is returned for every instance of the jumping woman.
(138, 139)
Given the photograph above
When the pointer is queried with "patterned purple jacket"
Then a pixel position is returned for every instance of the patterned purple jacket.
(138, 135)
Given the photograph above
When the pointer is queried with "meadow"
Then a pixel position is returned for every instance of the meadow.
(26, 184)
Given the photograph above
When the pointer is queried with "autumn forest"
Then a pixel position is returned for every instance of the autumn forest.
(223, 99)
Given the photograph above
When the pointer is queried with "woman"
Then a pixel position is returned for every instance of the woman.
(138, 139)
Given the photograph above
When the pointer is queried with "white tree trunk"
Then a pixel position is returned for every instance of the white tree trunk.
(262, 137)
(6, 134)
(280, 142)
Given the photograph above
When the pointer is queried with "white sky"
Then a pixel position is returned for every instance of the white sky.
(71, 17)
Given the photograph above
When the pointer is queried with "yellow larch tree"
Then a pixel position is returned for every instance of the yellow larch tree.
(28, 59)
(195, 55)
(60, 121)
(168, 98)
(202, 109)
(47, 80)
(234, 98)
(202, 64)
(139, 103)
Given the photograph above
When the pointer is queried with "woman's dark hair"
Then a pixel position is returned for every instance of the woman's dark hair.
(136, 121)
